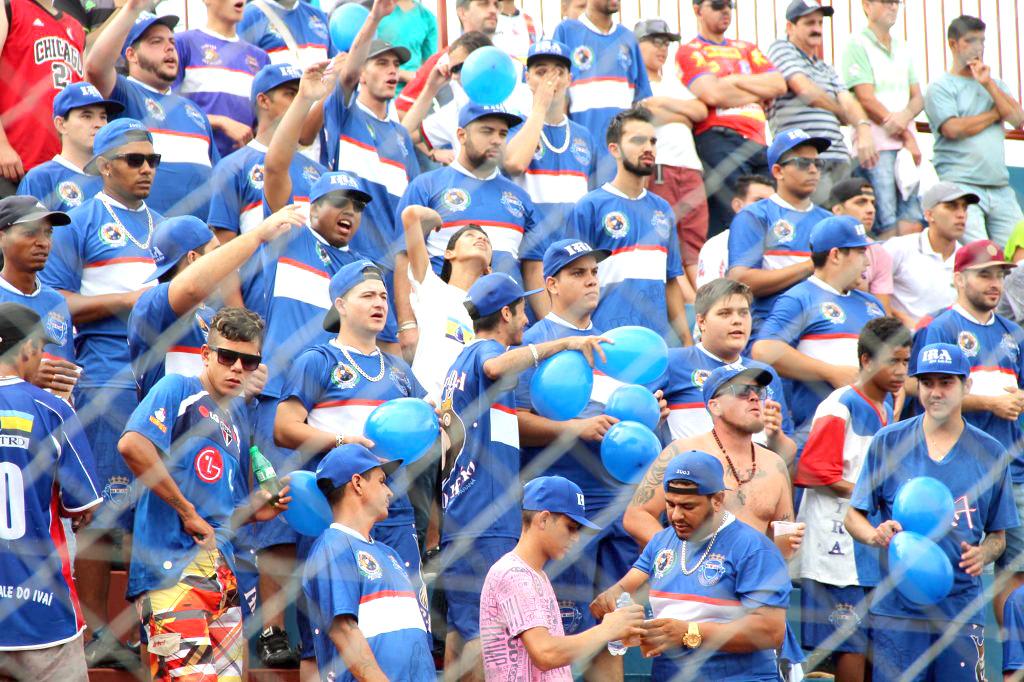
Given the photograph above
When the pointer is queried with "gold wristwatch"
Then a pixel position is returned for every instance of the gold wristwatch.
(692, 638)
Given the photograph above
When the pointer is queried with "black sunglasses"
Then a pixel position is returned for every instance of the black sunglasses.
(803, 163)
(719, 5)
(136, 159)
(341, 202)
(744, 391)
(228, 358)
(457, 68)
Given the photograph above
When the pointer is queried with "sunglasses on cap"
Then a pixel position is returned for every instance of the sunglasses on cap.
(744, 391)
(136, 159)
(803, 163)
(228, 358)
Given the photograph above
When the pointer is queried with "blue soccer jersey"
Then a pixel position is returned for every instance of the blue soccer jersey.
(349, 575)
(996, 355)
(688, 368)
(217, 73)
(1013, 622)
(59, 184)
(93, 256)
(380, 152)
(339, 399)
(823, 324)
(52, 309)
(742, 571)
(200, 444)
(480, 495)
(162, 342)
(976, 474)
(183, 138)
(640, 234)
(47, 469)
(770, 234)
(496, 204)
(306, 23)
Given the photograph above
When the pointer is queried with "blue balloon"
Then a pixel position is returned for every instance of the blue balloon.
(924, 505)
(634, 403)
(488, 76)
(638, 356)
(920, 569)
(345, 24)
(628, 449)
(403, 428)
(561, 386)
(308, 512)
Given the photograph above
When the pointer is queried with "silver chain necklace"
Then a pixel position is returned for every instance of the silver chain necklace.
(682, 559)
(357, 368)
(124, 230)
(547, 143)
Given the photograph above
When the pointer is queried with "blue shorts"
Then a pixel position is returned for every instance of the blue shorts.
(262, 535)
(890, 206)
(897, 644)
(826, 610)
(463, 569)
(1012, 558)
(104, 412)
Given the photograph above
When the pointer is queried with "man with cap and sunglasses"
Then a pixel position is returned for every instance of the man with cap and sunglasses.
(332, 388)
(50, 473)
(950, 635)
(364, 610)
(181, 132)
(810, 337)
(521, 633)
(480, 478)
(61, 184)
(185, 442)
(719, 604)
(816, 99)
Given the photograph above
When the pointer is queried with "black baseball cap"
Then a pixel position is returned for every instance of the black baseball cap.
(17, 323)
(849, 188)
(801, 8)
(27, 209)
(648, 28)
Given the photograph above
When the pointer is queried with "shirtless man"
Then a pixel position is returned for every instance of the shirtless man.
(759, 490)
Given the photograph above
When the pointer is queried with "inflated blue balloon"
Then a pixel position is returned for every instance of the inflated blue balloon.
(638, 356)
(561, 386)
(634, 403)
(628, 449)
(308, 512)
(345, 24)
(488, 76)
(922, 572)
(924, 505)
(403, 428)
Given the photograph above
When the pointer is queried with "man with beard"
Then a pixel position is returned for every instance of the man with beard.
(720, 610)
(994, 346)
(181, 132)
(640, 280)
(480, 489)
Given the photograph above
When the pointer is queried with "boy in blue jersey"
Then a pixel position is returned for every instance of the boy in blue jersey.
(49, 472)
(480, 481)
(720, 605)
(641, 279)
(994, 347)
(811, 335)
(185, 443)
(769, 240)
(61, 184)
(973, 465)
(365, 612)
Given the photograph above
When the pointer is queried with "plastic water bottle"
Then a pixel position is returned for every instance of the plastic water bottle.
(617, 648)
(264, 473)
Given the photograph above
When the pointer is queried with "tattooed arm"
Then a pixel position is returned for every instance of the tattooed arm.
(790, 543)
(642, 519)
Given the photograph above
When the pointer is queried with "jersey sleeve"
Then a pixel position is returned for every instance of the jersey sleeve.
(535, 243)
(63, 268)
(416, 194)
(822, 460)
(867, 492)
(154, 418)
(336, 110)
(31, 185)
(640, 78)
(336, 577)
(76, 465)
(786, 322)
(758, 62)
(646, 558)
(675, 258)
(692, 64)
(304, 380)
(580, 223)
(763, 580)
(184, 50)
(856, 66)
(225, 202)
(519, 603)
(939, 105)
(746, 241)
(1002, 510)
(1013, 621)
(787, 60)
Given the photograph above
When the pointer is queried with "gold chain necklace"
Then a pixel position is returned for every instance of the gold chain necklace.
(682, 559)
(357, 368)
(124, 230)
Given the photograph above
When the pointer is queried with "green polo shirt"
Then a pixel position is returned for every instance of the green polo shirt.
(867, 62)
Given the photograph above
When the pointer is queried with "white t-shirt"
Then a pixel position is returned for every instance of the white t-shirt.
(445, 328)
(713, 258)
(675, 140)
(513, 34)
(922, 282)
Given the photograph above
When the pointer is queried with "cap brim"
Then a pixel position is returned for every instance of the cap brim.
(391, 466)
(557, 57)
(828, 12)
(948, 372)
(582, 520)
(402, 53)
(675, 37)
(762, 376)
(531, 292)
(332, 321)
(598, 254)
(988, 264)
(511, 119)
(357, 194)
(164, 268)
(56, 218)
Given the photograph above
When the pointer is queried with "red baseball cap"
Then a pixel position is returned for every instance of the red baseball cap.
(980, 254)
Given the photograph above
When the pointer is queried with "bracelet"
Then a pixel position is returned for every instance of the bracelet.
(406, 326)
(536, 355)
(864, 122)
(339, 440)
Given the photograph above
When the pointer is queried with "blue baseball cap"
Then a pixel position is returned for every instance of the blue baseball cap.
(559, 496)
(142, 24)
(344, 279)
(491, 293)
(838, 232)
(174, 238)
(942, 358)
(565, 251)
(345, 461)
(113, 135)
(794, 137)
(82, 94)
(699, 468)
(726, 373)
(549, 48)
(339, 181)
(473, 111)
(271, 76)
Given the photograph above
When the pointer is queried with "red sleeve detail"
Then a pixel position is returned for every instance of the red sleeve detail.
(759, 63)
(414, 87)
(691, 62)
(822, 460)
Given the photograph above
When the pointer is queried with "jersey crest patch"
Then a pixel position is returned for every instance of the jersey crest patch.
(661, 224)
(342, 376)
(57, 327)
(968, 343)
(455, 199)
(833, 312)
(663, 562)
(318, 27)
(118, 491)
(368, 566)
(783, 231)
(111, 235)
(625, 57)
(513, 204)
(210, 55)
(322, 254)
(70, 193)
(256, 176)
(699, 376)
(616, 224)
(580, 151)
(154, 109)
(712, 570)
(196, 116)
(844, 615)
(583, 57)
(310, 174)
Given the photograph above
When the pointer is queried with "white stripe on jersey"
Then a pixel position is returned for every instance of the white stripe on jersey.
(389, 611)
(505, 237)
(363, 160)
(504, 426)
(177, 147)
(992, 381)
(342, 416)
(554, 187)
(308, 55)
(695, 607)
(836, 349)
(116, 276)
(634, 262)
(600, 93)
(216, 79)
(184, 361)
(776, 260)
(302, 283)
(604, 386)
(251, 216)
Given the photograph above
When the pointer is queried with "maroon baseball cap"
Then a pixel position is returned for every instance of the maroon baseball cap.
(979, 254)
